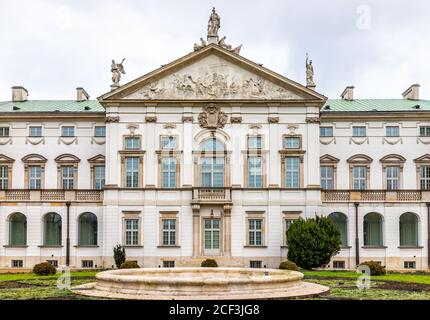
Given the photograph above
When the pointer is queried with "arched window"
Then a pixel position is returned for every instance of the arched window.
(212, 145)
(372, 229)
(52, 229)
(17, 230)
(341, 222)
(87, 229)
(408, 229)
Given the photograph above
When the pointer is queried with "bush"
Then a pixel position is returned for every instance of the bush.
(376, 269)
(44, 269)
(129, 265)
(288, 265)
(119, 255)
(209, 263)
(312, 242)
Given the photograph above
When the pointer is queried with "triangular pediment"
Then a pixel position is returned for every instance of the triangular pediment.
(212, 73)
(424, 158)
(328, 159)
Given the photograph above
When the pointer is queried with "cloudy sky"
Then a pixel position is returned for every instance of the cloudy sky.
(53, 46)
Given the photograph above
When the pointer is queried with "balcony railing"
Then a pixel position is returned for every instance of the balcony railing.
(372, 195)
(52, 195)
(212, 195)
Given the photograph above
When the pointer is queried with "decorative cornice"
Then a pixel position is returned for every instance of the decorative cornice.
(151, 119)
(237, 119)
(112, 119)
(313, 120)
(273, 119)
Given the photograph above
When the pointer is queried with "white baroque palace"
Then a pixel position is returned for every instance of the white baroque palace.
(212, 155)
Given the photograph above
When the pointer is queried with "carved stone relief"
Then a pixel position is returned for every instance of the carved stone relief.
(212, 117)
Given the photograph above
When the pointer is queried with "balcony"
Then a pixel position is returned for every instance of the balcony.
(212, 195)
(374, 196)
(51, 195)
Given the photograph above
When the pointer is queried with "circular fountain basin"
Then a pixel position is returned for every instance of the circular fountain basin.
(200, 284)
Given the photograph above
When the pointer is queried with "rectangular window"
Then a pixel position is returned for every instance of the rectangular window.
(168, 264)
(291, 143)
(67, 131)
(212, 172)
(131, 172)
(254, 142)
(132, 143)
(53, 262)
(255, 172)
(326, 131)
(409, 264)
(4, 177)
(4, 131)
(131, 232)
(17, 264)
(99, 177)
(288, 223)
(292, 174)
(34, 177)
(35, 132)
(393, 178)
(169, 232)
(168, 170)
(338, 264)
(100, 131)
(255, 232)
(358, 131)
(425, 131)
(212, 232)
(87, 264)
(256, 264)
(67, 176)
(359, 177)
(392, 131)
(168, 143)
(327, 177)
(425, 177)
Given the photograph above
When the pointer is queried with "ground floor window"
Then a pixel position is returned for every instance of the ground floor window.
(372, 229)
(87, 229)
(409, 265)
(131, 232)
(87, 263)
(17, 230)
(212, 232)
(340, 221)
(408, 227)
(17, 264)
(52, 229)
(168, 264)
(255, 264)
(338, 264)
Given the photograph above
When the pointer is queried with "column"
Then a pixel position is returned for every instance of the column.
(227, 229)
(196, 229)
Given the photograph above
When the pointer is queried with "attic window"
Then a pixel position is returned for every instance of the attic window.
(87, 108)
(15, 108)
(374, 109)
(327, 107)
(417, 106)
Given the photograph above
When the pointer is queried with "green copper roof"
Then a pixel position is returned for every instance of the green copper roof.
(51, 106)
(377, 105)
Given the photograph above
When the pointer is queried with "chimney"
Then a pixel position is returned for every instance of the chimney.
(348, 93)
(412, 93)
(19, 94)
(81, 95)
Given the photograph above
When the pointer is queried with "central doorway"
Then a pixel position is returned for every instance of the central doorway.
(212, 236)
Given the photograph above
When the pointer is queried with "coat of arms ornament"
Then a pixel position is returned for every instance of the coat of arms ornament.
(212, 117)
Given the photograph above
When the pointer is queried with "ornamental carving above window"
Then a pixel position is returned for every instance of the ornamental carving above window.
(212, 117)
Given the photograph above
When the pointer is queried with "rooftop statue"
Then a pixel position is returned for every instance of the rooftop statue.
(309, 73)
(117, 69)
(214, 24)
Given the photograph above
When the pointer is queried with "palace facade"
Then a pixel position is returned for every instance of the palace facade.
(212, 155)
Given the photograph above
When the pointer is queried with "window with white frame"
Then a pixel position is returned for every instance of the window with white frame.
(131, 232)
(100, 131)
(409, 265)
(326, 131)
(34, 177)
(17, 263)
(168, 143)
(67, 131)
(168, 264)
(99, 177)
(257, 264)
(4, 131)
(287, 224)
(255, 172)
(132, 143)
(425, 131)
(255, 142)
(392, 131)
(425, 177)
(359, 131)
(168, 171)
(291, 142)
(212, 172)
(393, 177)
(4, 177)
(35, 131)
(67, 177)
(327, 177)
(169, 232)
(87, 264)
(292, 172)
(255, 232)
(132, 172)
(359, 177)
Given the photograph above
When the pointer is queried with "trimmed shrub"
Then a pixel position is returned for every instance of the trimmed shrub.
(44, 269)
(376, 269)
(209, 263)
(312, 242)
(119, 255)
(288, 265)
(129, 265)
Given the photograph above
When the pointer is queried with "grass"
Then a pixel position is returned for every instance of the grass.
(30, 276)
(402, 277)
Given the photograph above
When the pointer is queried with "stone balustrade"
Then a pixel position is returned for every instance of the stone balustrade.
(375, 196)
(210, 195)
(51, 195)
